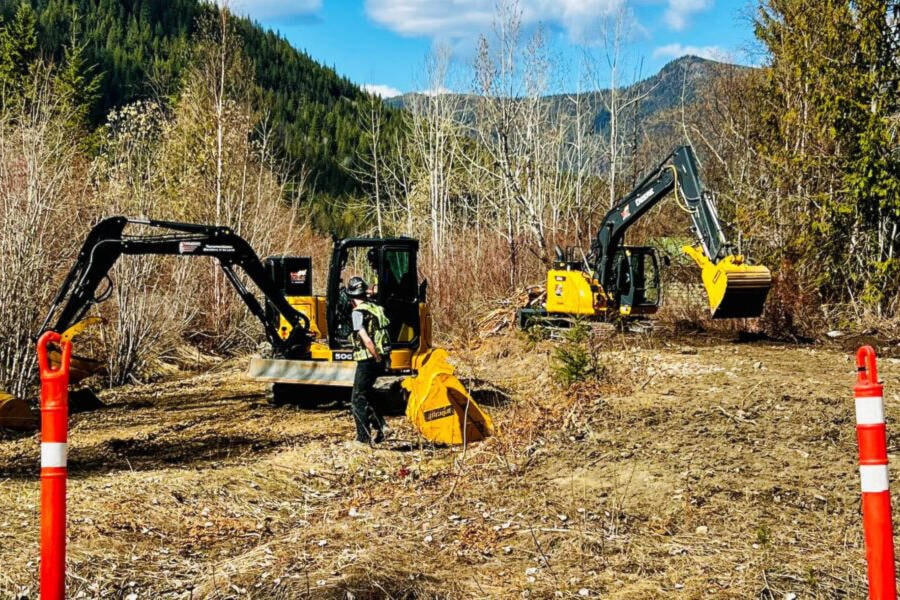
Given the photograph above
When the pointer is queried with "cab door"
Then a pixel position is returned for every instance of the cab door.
(398, 291)
(389, 267)
(638, 276)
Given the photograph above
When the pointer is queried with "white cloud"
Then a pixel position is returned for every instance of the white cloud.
(438, 91)
(451, 18)
(275, 10)
(464, 18)
(384, 91)
(580, 18)
(676, 50)
(680, 11)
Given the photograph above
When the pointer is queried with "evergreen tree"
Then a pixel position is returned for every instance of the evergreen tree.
(826, 134)
(18, 49)
(76, 79)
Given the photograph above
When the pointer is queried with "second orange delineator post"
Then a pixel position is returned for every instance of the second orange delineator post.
(873, 473)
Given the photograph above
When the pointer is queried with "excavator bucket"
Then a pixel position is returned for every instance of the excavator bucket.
(735, 290)
(15, 414)
(745, 291)
(440, 407)
(80, 367)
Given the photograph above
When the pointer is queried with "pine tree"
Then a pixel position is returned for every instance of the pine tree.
(18, 49)
(76, 80)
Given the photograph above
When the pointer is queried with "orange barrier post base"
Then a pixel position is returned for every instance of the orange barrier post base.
(876, 508)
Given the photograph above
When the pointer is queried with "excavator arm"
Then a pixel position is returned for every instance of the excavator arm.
(734, 289)
(107, 242)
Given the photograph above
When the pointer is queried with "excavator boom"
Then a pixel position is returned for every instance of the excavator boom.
(107, 242)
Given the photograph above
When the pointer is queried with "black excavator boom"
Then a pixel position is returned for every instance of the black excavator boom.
(107, 241)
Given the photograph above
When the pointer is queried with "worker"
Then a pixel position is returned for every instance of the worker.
(371, 351)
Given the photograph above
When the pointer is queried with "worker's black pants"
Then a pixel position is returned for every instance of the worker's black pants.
(361, 404)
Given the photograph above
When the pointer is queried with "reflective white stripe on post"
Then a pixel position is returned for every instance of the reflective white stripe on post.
(53, 454)
(874, 478)
(869, 411)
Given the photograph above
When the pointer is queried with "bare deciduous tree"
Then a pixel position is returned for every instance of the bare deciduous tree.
(621, 99)
(434, 136)
(37, 153)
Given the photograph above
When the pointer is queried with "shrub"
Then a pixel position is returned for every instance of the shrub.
(577, 358)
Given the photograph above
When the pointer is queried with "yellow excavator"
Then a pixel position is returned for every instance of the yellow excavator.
(617, 280)
(308, 350)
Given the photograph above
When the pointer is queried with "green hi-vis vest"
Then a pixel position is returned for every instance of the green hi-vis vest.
(376, 324)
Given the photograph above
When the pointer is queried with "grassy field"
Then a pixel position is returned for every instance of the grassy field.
(696, 467)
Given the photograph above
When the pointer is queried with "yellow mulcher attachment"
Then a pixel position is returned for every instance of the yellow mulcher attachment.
(735, 289)
(440, 407)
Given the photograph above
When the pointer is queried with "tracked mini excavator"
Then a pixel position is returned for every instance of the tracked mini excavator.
(619, 281)
(307, 344)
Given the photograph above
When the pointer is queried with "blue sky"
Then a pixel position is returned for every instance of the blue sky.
(383, 44)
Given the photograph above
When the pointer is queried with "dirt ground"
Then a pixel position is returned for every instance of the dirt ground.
(697, 467)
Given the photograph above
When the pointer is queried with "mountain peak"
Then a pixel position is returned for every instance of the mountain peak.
(689, 63)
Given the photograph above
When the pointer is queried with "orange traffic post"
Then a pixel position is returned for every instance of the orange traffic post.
(54, 437)
(873, 474)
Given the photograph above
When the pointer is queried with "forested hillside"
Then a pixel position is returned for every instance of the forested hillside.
(139, 49)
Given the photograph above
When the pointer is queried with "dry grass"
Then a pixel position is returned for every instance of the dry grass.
(698, 466)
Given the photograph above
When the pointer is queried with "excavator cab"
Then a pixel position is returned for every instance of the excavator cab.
(389, 267)
(637, 279)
